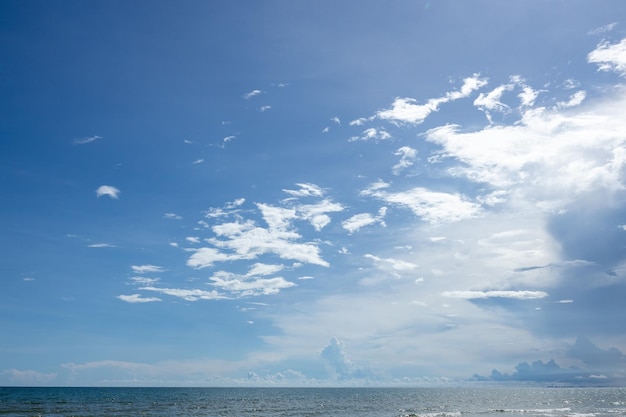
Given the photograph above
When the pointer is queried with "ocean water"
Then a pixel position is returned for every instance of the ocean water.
(336, 402)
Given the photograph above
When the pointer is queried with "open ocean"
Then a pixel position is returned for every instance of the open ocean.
(336, 402)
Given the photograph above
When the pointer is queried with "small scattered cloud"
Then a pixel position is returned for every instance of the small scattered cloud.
(193, 239)
(407, 156)
(395, 264)
(372, 134)
(108, 190)
(198, 161)
(306, 190)
(172, 216)
(358, 221)
(85, 140)
(252, 93)
(137, 298)
(101, 245)
(145, 269)
(229, 138)
(264, 108)
(603, 29)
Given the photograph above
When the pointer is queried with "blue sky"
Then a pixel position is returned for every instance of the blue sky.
(312, 193)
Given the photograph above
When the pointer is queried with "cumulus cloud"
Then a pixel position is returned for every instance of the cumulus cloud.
(610, 57)
(244, 240)
(107, 190)
(335, 355)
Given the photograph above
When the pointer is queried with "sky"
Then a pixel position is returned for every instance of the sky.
(312, 193)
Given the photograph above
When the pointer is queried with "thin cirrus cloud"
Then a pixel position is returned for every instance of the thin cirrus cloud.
(85, 140)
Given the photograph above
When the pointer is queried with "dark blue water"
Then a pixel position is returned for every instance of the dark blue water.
(337, 402)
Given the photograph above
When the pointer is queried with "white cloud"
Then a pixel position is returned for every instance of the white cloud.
(198, 161)
(405, 110)
(85, 140)
(241, 240)
(246, 286)
(144, 269)
(603, 29)
(107, 190)
(172, 216)
(192, 239)
(396, 264)
(549, 156)
(187, 295)
(264, 269)
(264, 108)
(229, 138)
(610, 57)
(306, 190)
(101, 245)
(144, 280)
(361, 121)
(28, 377)
(316, 213)
(372, 134)
(490, 102)
(358, 221)
(574, 100)
(252, 94)
(407, 155)
(137, 298)
(434, 207)
(519, 295)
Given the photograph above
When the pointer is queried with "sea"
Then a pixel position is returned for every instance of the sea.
(335, 402)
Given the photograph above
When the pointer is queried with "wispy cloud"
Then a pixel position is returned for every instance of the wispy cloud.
(108, 190)
(85, 140)
(519, 295)
(372, 134)
(358, 221)
(145, 269)
(406, 110)
(172, 216)
(100, 245)
(432, 206)
(407, 156)
(252, 93)
(137, 298)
